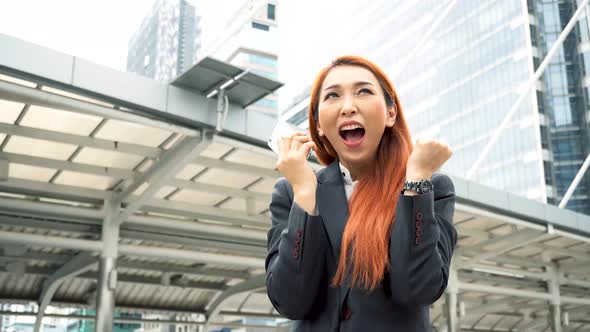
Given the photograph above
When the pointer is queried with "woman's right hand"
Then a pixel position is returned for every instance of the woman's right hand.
(292, 163)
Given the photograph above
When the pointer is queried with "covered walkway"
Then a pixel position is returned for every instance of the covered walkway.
(122, 193)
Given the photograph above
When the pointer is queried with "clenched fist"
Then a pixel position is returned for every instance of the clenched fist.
(292, 163)
(427, 156)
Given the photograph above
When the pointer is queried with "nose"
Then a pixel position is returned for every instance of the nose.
(348, 107)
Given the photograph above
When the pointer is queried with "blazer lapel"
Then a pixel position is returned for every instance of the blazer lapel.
(332, 205)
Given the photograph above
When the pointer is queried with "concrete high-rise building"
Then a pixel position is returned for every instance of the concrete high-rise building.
(168, 41)
(460, 83)
(250, 40)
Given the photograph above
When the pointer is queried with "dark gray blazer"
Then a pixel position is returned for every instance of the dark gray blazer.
(303, 252)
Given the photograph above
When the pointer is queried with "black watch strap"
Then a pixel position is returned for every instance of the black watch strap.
(420, 187)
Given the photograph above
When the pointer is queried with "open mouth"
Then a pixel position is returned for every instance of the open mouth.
(352, 133)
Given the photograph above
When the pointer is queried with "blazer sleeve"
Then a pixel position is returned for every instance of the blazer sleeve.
(295, 260)
(421, 246)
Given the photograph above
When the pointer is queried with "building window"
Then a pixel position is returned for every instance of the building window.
(259, 26)
(270, 11)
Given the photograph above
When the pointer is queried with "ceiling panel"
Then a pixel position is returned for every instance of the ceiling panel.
(227, 178)
(84, 180)
(197, 197)
(253, 159)
(9, 111)
(127, 132)
(216, 150)
(39, 148)
(27, 172)
(60, 121)
(106, 158)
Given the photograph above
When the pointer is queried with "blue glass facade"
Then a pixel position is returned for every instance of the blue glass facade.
(564, 97)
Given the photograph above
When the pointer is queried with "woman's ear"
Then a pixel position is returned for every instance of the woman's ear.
(391, 115)
(320, 131)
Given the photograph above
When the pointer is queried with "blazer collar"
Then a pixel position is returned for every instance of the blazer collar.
(330, 174)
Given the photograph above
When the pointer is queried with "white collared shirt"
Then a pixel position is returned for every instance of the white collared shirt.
(349, 185)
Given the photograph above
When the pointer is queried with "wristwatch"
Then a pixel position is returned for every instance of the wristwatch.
(421, 187)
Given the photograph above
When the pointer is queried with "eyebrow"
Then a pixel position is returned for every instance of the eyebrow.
(355, 84)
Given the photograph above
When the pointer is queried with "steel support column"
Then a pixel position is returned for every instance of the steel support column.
(451, 306)
(107, 279)
(555, 301)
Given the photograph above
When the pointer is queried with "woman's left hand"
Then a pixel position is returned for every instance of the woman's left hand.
(426, 158)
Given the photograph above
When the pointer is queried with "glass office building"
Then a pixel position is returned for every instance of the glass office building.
(459, 84)
(168, 41)
(564, 99)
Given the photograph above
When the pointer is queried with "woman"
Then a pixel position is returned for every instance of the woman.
(364, 245)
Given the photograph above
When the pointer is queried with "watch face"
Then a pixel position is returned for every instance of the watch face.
(426, 186)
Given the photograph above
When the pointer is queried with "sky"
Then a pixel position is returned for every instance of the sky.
(98, 31)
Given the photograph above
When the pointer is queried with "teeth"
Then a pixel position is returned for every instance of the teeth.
(351, 127)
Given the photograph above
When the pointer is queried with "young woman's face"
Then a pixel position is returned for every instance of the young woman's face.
(353, 114)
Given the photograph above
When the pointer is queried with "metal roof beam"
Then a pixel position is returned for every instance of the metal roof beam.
(145, 266)
(84, 218)
(237, 167)
(52, 190)
(517, 241)
(125, 278)
(80, 194)
(253, 284)
(171, 162)
(217, 189)
(205, 212)
(519, 293)
(163, 321)
(490, 307)
(222, 240)
(503, 271)
(133, 250)
(511, 237)
(79, 264)
(26, 95)
(98, 143)
(114, 172)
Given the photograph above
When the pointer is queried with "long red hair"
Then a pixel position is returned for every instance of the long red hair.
(365, 242)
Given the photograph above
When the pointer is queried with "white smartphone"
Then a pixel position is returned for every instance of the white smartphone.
(282, 129)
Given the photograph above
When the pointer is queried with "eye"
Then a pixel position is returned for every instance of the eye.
(330, 95)
(365, 90)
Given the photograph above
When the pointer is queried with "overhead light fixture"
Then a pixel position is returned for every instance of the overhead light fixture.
(212, 94)
(226, 84)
